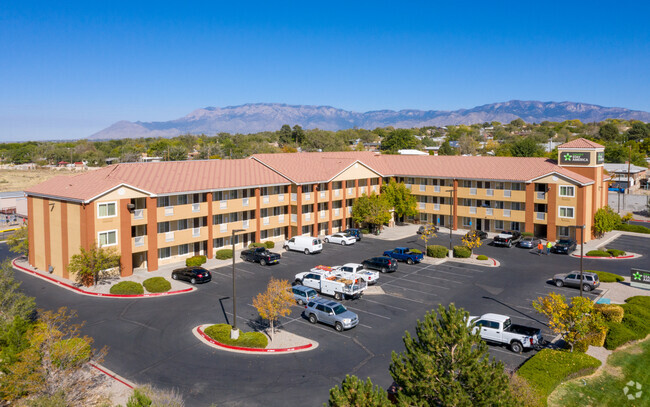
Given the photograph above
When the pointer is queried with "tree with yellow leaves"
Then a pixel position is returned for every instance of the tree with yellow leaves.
(428, 232)
(472, 240)
(275, 302)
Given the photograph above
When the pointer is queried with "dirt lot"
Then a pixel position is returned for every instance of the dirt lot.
(18, 180)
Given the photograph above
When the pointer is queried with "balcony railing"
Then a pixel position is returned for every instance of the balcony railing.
(322, 214)
(472, 209)
(169, 211)
(281, 198)
(266, 199)
(374, 188)
(541, 195)
(423, 187)
(506, 213)
(350, 191)
(507, 193)
(138, 214)
(407, 186)
(281, 218)
(223, 228)
(472, 191)
(308, 196)
(169, 236)
(244, 202)
(362, 190)
(337, 211)
(294, 217)
(337, 192)
(294, 197)
(196, 207)
(196, 232)
(245, 224)
(540, 215)
(266, 220)
(139, 241)
(322, 194)
(436, 188)
(308, 216)
(436, 207)
(223, 204)
(489, 192)
(422, 205)
(349, 210)
(488, 212)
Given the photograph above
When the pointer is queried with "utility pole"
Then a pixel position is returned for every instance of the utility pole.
(234, 332)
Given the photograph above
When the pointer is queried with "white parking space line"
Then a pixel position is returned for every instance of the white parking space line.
(245, 271)
(526, 308)
(365, 326)
(368, 312)
(461, 268)
(441, 278)
(411, 289)
(385, 305)
(453, 274)
(330, 330)
(423, 283)
(407, 299)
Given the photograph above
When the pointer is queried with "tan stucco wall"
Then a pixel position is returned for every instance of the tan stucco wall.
(38, 245)
(356, 171)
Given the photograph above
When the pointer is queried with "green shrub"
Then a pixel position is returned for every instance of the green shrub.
(610, 312)
(462, 252)
(269, 244)
(195, 261)
(481, 257)
(641, 300)
(633, 326)
(606, 277)
(437, 251)
(525, 234)
(593, 338)
(221, 333)
(416, 251)
(70, 352)
(618, 335)
(637, 311)
(365, 231)
(598, 253)
(616, 252)
(633, 228)
(255, 244)
(548, 368)
(157, 285)
(127, 288)
(223, 254)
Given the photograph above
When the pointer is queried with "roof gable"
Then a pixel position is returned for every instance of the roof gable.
(581, 143)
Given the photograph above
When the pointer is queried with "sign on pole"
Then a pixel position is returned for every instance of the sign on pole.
(640, 278)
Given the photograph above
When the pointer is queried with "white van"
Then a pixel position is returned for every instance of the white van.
(306, 244)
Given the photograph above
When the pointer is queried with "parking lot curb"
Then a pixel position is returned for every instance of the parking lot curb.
(198, 332)
(626, 257)
(93, 294)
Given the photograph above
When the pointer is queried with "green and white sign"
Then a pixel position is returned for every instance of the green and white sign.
(640, 278)
(575, 157)
(600, 157)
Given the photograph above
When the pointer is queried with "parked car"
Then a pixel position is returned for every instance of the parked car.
(192, 274)
(500, 329)
(340, 238)
(260, 255)
(354, 232)
(590, 280)
(382, 263)
(564, 246)
(305, 244)
(404, 254)
(481, 234)
(303, 294)
(507, 238)
(352, 270)
(528, 242)
(331, 313)
(422, 228)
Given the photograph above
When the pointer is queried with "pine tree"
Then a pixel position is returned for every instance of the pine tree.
(357, 393)
(446, 364)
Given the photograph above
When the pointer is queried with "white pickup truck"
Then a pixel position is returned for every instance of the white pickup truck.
(325, 282)
(500, 329)
(350, 269)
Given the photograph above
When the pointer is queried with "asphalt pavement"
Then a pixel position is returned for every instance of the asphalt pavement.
(150, 339)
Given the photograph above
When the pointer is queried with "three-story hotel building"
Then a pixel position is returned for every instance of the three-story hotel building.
(159, 213)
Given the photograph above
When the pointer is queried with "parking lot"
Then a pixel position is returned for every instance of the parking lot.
(150, 340)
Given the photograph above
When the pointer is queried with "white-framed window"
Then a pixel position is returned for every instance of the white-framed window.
(566, 212)
(108, 238)
(498, 224)
(568, 191)
(107, 209)
(164, 252)
(563, 231)
(183, 249)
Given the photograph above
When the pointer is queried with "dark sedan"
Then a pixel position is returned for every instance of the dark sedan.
(564, 246)
(422, 228)
(382, 263)
(192, 274)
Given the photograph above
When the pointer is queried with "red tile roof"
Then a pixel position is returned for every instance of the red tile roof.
(161, 178)
(581, 143)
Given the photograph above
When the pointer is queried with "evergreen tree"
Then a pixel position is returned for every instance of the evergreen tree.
(447, 364)
(357, 393)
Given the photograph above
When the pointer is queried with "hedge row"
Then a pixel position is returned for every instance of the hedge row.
(634, 324)
(610, 312)
(633, 228)
(157, 285)
(462, 252)
(127, 288)
(606, 277)
(437, 251)
(223, 254)
(221, 333)
(195, 261)
(548, 368)
(598, 253)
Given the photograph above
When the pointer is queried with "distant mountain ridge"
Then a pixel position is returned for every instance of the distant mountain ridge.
(256, 117)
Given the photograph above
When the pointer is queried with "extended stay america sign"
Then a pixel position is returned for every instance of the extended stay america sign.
(575, 157)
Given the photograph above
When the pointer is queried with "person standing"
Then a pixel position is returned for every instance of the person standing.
(548, 247)
(540, 248)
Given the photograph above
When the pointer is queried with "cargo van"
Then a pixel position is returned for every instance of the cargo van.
(305, 244)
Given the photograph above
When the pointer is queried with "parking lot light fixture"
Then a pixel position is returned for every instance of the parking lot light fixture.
(582, 253)
(234, 332)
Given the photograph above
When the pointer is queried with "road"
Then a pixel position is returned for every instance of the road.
(150, 340)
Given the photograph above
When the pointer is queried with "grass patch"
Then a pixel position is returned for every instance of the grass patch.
(607, 389)
(481, 257)
(157, 285)
(606, 277)
(598, 253)
(127, 288)
(633, 228)
(221, 333)
(548, 368)
(642, 300)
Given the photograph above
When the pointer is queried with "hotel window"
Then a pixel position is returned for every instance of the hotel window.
(164, 253)
(566, 212)
(182, 224)
(181, 200)
(107, 210)
(498, 224)
(163, 227)
(467, 221)
(467, 184)
(567, 190)
(218, 242)
(517, 186)
(563, 231)
(108, 238)
(163, 201)
(183, 249)
(514, 226)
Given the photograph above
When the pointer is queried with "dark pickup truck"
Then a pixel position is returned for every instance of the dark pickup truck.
(404, 254)
(260, 255)
(507, 238)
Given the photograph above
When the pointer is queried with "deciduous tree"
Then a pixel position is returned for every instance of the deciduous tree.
(275, 302)
(397, 140)
(447, 364)
(429, 232)
(371, 209)
(18, 242)
(89, 264)
(605, 220)
(400, 198)
(472, 241)
(13, 303)
(357, 393)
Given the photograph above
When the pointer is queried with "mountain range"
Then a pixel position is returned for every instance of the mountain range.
(256, 117)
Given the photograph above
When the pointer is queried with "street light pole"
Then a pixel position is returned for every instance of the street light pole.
(451, 219)
(234, 332)
(582, 251)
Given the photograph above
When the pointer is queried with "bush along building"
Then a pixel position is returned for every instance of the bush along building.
(163, 212)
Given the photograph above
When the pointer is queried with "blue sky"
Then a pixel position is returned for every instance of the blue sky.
(70, 69)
